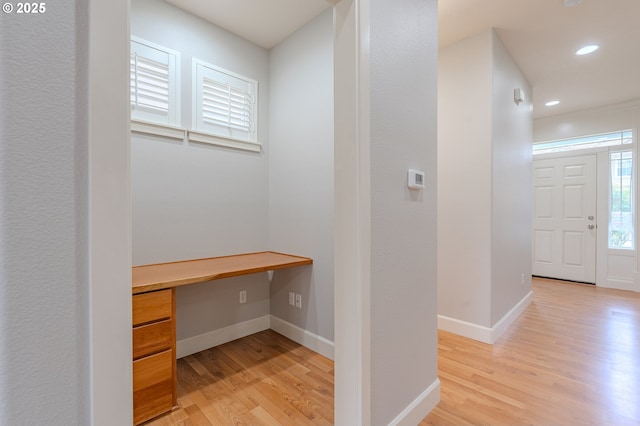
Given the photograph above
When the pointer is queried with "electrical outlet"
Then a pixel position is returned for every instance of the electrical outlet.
(292, 298)
(299, 301)
(243, 296)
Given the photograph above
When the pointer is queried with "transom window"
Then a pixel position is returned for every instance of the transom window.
(594, 141)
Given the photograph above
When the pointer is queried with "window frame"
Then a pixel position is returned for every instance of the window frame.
(212, 133)
(142, 119)
(632, 202)
(580, 144)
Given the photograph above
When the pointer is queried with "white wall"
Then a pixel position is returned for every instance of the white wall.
(41, 226)
(615, 268)
(465, 179)
(109, 208)
(511, 185)
(610, 118)
(403, 72)
(301, 173)
(352, 215)
(484, 188)
(65, 289)
(193, 200)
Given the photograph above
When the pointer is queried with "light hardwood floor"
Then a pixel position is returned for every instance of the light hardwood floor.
(572, 358)
(262, 379)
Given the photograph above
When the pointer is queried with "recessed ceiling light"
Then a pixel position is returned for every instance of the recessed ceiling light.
(552, 103)
(587, 49)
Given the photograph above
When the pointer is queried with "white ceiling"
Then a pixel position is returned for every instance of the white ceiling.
(541, 35)
(264, 22)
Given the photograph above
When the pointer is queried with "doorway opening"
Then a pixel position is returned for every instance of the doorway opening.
(583, 207)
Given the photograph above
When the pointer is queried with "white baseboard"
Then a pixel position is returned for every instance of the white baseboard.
(307, 339)
(506, 321)
(213, 338)
(464, 328)
(482, 333)
(620, 284)
(420, 407)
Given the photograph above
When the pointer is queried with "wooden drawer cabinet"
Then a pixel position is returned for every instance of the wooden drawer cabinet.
(152, 338)
(154, 354)
(153, 385)
(152, 306)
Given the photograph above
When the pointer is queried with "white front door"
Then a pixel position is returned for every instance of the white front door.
(564, 218)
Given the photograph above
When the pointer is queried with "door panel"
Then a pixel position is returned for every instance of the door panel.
(572, 248)
(574, 202)
(564, 208)
(543, 244)
(544, 202)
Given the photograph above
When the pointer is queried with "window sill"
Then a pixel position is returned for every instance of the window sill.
(155, 129)
(163, 130)
(209, 138)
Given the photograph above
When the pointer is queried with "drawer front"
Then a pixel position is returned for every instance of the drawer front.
(152, 306)
(152, 338)
(153, 386)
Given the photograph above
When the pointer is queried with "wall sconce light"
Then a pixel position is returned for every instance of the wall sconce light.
(518, 96)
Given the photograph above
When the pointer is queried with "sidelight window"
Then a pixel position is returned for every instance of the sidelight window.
(621, 200)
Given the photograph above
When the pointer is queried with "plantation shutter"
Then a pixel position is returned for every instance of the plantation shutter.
(226, 106)
(154, 83)
(149, 84)
(224, 103)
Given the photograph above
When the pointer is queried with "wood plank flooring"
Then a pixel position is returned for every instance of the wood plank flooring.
(262, 379)
(572, 358)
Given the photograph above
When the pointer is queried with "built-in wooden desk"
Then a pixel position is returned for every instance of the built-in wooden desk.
(173, 274)
(154, 328)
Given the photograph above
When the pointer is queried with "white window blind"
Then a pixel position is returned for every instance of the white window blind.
(154, 83)
(149, 84)
(224, 103)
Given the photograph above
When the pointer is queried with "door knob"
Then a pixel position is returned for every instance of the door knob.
(591, 217)
(591, 226)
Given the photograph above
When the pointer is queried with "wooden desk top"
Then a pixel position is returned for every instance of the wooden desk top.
(173, 274)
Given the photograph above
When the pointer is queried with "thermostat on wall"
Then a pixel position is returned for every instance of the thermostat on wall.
(415, 179)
